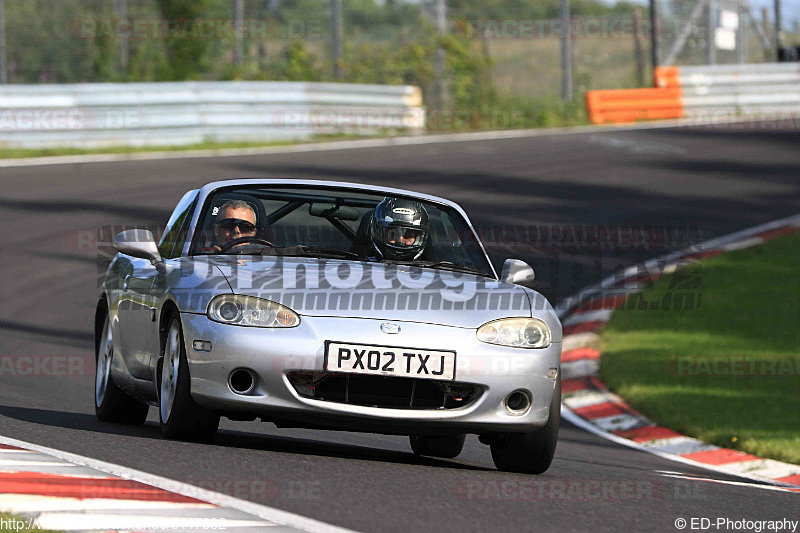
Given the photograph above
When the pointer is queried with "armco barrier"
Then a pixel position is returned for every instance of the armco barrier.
(763, 87)
(107, 114)
(702, 91)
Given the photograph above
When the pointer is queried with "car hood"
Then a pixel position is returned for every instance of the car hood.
(341, 288)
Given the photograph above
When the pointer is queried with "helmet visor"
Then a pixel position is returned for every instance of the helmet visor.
(400, 236)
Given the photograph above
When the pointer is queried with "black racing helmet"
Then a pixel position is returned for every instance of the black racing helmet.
(399, 229)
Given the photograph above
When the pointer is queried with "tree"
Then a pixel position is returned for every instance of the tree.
(187, 49)
(297, 64)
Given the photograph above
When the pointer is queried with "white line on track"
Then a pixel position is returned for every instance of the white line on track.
(601, 315)
(587, 398)
(4, 463)
(222, 500)
(362, 143)
(677, 475)
(83, 522)
(575, 341)
(575, 420)
(564, 307)
(580, 368)
(31, 503)
(740, 239)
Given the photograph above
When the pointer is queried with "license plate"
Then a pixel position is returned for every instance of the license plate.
(390, 361)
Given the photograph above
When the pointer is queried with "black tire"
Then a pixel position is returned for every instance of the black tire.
(112, 404)
(530, 453)
(447, 446)
(184, 419)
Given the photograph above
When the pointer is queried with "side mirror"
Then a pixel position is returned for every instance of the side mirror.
(138, 243)
(517, 272)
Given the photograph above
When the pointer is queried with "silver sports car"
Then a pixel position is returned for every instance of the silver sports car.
(328, 305)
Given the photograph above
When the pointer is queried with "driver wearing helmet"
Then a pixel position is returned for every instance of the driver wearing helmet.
(399, 229)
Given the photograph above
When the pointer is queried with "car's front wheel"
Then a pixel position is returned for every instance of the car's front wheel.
(447, 446)
(530, 453)
(180, 416)
(111, 404)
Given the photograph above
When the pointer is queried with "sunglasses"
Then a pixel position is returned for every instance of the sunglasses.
(229, 224)
(395, 234)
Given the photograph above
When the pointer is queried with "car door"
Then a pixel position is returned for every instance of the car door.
(141, 291)
(135, 314)
(170, 247)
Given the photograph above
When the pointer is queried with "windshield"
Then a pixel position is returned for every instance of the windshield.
(337, 223)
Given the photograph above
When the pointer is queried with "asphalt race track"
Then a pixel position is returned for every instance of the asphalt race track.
(717, 180)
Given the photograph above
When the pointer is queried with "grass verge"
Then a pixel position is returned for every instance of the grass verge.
(507, 113)
(16, 153)
(728, 371)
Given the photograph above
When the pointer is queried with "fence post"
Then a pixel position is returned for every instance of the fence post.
(122, 13)
(238, 9)
(566, 54)
(637, 44)
(741, 50)
(654, 48)
(3, 69)
(336, 33)
(777, 31)
(711, 33)
(439, 62)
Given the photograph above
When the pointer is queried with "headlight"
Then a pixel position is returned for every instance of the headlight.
(249, 311)
(516, 332)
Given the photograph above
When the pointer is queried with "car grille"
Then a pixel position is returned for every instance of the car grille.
(380, 391)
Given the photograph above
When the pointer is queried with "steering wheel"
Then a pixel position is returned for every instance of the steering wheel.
(244, 240)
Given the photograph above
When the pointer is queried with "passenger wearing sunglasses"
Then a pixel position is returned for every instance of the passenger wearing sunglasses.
(236, 219)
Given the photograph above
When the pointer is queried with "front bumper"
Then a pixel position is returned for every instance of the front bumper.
(272, 353)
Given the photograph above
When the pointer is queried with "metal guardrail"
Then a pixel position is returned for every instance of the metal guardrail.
(763, 87)
(179, 113)
(722, 92)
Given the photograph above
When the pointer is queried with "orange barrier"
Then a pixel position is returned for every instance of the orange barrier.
(630, 105)
(719, 89)
(667, 77)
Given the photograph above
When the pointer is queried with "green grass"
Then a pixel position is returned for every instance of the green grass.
(4, 517)
(15, 153)
(507, 112)
(662, 361)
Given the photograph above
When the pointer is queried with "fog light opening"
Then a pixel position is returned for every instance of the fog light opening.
(518, 402)
(241, 381)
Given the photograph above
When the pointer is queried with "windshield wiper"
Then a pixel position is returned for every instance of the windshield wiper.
(442, 265)
(309, 251)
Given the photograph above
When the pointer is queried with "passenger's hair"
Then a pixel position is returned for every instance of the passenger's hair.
(238, 204)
